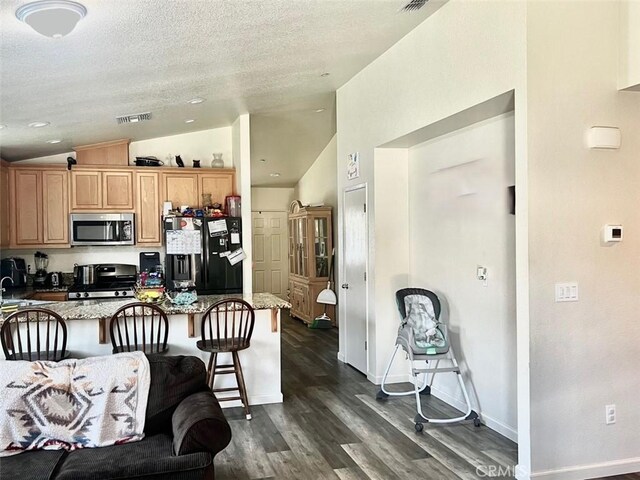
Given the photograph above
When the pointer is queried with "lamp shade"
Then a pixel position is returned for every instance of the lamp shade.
(52, 18)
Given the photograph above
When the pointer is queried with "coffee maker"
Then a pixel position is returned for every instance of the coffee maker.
(16, 269)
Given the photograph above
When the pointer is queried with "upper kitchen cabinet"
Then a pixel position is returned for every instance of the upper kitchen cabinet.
(148, 208)
(115, 153)
(218, 184)
(180, 189)
(39, 207)
(102, 190)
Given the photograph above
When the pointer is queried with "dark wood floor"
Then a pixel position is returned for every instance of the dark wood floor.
(331, 427)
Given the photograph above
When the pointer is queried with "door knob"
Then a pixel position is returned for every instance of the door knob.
(345, 286)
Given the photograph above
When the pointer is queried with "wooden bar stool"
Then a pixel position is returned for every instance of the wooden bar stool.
(139, 327)
(34, 334)
(226, 328)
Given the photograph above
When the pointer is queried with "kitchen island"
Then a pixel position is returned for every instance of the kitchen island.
(88, 335)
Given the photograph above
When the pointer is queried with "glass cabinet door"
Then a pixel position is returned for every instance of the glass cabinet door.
(321, 246)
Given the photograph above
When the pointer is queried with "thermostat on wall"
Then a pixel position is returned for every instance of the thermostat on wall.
(612, 233)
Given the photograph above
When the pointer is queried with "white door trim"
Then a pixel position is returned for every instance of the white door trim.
(345, 354)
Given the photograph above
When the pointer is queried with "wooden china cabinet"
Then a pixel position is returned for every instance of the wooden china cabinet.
(310, 247)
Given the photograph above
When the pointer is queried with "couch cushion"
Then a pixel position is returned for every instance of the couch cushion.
(35, 465)
(173, 378)
(152, 458)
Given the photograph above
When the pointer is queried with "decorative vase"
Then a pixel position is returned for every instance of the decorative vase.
(206, 200)
(217, 161)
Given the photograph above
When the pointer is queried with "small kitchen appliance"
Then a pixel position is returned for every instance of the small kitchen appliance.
(102, 229)
(54, 279)
(41, 262)
(107, 280)
(16, 269)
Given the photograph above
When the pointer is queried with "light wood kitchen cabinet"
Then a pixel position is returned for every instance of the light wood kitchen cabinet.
(39, 209)
(4, 205)
(148, 208)
(107, 190)
(49, 296)
(55, 211)
(310, 249)
(180, 189)
(219, 185)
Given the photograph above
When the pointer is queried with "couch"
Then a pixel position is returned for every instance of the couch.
(184, 430)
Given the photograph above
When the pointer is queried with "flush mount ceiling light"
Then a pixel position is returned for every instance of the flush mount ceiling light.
(52, 18)
(196, 101)
(191, 120)
(53, 141)
(319, 110)
(2, 126)
(274, 174)
(38, 124)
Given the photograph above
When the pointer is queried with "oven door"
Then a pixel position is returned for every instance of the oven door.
(102, 229)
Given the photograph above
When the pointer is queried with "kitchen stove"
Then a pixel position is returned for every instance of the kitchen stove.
(111, 281)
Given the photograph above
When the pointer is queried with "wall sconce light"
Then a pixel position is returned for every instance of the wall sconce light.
(52, 18)
(603, 137)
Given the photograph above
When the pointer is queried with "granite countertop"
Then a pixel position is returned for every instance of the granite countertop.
(97, 309)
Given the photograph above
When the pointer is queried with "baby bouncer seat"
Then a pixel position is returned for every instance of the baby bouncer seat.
(424, 338)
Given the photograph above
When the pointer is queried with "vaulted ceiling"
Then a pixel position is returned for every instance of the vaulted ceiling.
(264, 57)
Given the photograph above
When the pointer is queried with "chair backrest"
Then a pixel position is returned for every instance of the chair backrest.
(34, 334)
(405, 292)
(139, 327)
(228, 324)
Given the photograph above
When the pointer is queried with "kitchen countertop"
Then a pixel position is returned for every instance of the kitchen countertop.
(99, 309)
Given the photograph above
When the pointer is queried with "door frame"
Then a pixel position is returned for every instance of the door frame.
(343, 293)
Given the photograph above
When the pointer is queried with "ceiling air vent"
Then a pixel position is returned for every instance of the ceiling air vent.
(414, 5)
(135, 118)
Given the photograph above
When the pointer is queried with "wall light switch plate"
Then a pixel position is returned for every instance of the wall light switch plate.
(567, 292)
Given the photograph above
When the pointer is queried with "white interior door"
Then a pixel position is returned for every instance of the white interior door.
(270, 265)
(355, 271)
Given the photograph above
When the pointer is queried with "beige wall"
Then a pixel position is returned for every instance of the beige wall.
(584, 355)
(271, 199)
(629, 59)
(318, 184)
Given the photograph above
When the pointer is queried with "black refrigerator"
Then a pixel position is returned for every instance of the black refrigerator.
(198, 249)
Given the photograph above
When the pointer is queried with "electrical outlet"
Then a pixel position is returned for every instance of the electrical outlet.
(610, 414)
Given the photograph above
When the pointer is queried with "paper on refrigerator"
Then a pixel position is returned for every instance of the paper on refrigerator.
(184, 242)
(236, 256)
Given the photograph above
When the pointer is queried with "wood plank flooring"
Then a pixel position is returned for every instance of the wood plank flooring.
(330, 426)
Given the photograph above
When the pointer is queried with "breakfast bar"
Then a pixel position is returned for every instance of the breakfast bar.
(88, 335)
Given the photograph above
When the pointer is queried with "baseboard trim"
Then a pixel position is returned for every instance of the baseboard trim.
(255, 400)
(399, 378)
(594, 470)
(341, 357)
(521, 473)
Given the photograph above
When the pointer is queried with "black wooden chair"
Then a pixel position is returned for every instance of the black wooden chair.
(139, 327)
(226, 328)
(34, 334)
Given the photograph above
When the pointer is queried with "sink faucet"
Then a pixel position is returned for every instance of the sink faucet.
(2, 288)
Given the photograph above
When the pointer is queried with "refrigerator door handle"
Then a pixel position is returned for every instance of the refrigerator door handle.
(205, 262)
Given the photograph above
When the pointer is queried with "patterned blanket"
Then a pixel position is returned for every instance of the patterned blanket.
(73, 404)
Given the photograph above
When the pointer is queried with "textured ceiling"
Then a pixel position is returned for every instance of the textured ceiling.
(262, 57)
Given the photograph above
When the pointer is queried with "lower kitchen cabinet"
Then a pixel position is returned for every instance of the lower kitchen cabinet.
(302, 297)
(49, 296)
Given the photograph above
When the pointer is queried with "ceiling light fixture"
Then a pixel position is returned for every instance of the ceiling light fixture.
(196, 101)
(2, 126)
(274, 174)
(38, 124)
(325, 74)
(320, 110)
(52, 18)
(191, 120)
(53, 141)
(263, 160)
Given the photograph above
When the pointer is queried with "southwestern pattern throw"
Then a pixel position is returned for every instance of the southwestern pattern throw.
(73, 404)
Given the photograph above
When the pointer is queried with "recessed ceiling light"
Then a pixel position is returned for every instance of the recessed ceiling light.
(320, 110)
(325, 74)
(196, 101)
(274, 174)
(2, 126)
(263, 160)
(190, 120)
(53, 141)
(52, 18)
(38, 124)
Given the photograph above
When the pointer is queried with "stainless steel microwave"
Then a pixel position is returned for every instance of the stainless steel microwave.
(102, 229)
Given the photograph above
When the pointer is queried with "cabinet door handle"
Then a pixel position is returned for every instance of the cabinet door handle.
(345, 286)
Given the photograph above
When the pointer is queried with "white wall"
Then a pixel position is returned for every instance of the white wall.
(271, 199)
(319, 184)
(466, 53)
(584, 355)
(195, 145)
(458, 219)
(241, 141)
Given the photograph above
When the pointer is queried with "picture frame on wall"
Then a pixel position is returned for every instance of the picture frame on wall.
(353, 166)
